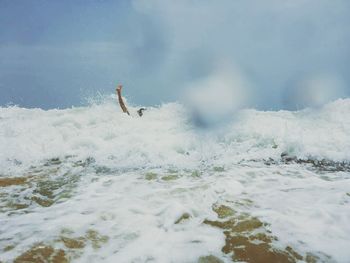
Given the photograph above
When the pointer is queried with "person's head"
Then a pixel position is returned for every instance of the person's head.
(140, 111)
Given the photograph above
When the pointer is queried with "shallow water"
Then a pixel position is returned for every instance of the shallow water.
(92, 185)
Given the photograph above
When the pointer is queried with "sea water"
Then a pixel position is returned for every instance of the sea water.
(91, 184)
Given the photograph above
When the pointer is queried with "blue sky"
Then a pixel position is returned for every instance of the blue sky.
(58, 53)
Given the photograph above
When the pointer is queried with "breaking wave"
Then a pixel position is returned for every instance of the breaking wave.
(92, 183)
(165, 136)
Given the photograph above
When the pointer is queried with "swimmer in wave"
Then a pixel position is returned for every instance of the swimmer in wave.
(122, 104)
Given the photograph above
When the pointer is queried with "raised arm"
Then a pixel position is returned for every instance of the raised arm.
(120, 99)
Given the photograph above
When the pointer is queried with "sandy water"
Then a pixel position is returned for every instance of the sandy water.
(93, 185)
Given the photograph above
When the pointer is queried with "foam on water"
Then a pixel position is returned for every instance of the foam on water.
(139, 189)
(165, 136)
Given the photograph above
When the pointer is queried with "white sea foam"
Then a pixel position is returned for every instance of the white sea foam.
(165, 136)
(306, 209)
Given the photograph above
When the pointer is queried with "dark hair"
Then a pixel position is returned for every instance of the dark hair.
(140, 111)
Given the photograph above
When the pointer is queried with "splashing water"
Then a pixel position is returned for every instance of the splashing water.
(93, 184)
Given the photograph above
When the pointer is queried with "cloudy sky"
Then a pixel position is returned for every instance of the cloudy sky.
(58, 53)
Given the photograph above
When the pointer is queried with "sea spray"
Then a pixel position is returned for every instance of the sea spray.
(92, 183)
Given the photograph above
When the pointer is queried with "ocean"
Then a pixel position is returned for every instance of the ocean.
(91, 184)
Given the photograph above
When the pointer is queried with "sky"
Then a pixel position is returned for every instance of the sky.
(58, 54)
